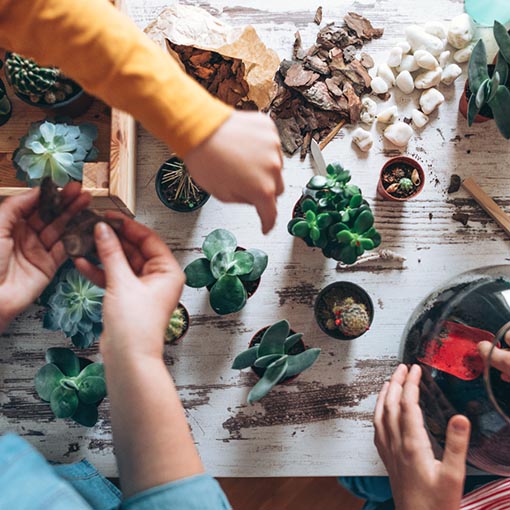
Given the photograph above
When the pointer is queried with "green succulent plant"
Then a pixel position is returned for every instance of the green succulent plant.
(487, 90)
(274, 355)
(73, 386)
(349, 317)
(224, 270)
(176, 325)
(75, 306)
(55, 150)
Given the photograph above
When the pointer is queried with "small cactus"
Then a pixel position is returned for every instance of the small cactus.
(350, 318)
(404, 184)
(176, 326)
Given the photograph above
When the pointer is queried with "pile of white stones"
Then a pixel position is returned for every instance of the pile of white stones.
(421, 61)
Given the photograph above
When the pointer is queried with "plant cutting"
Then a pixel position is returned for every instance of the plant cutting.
(176, 189)
(333, 216)
(401, 179)
(73, 386)
(487, 93)
(56, 150)
(74, 306)
(178, 325)
(230, 273)
(45, 87)
(275, 354)
(344, 310)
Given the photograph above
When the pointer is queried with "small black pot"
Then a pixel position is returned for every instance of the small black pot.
(187, 320)
(342, 290)
(161, 190)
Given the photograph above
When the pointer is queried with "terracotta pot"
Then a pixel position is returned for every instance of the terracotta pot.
(400, 159)
(463, 107)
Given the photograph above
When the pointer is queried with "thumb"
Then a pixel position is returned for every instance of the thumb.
(111, 254)
(457, 441)
(267, 211)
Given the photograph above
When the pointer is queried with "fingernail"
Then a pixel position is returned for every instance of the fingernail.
(103, 231)
(460, 425)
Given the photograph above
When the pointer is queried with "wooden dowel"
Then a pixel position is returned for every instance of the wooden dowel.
(332, 134)
(487, 204)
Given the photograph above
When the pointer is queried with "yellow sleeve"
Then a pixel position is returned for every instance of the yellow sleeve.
(106, 53)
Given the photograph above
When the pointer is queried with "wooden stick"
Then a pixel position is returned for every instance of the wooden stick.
(487, 204)
(332, 134)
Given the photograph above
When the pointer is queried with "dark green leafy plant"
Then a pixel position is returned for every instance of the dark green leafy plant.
(225, 270)
(335, 217)
(73, 386)
(273, 355)
(487, 90)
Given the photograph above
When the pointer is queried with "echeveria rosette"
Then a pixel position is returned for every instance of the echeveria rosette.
(274, 355)
(73, 386)
(76, 308)
(223, 271)
(56, 150)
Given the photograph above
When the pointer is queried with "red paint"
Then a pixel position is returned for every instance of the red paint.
(455, 351)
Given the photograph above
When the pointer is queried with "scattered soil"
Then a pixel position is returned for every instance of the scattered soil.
(392, 175)
(461, 217)
(455, 182)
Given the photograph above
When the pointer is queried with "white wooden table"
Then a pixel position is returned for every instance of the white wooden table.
(320, 424)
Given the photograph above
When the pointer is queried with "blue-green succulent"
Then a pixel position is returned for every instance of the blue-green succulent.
(56, 150)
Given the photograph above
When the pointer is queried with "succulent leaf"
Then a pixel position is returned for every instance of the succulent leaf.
(86, 414)
(271, 377)
(265, 361)
(64, 359)
(503, 40)
(221, 262)
(246, 358)
(301, 229)
(92, 389)
(301, 362)
(260, 260)
(500, 106)
(63, 402)
(227, 295)
(274, 338)
(219, 240)
(198, 274)
(477, 69)
(47, 380)
(243, 263)
(291, 341)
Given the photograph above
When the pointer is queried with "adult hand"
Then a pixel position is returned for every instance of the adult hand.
(418, 480)
(500, 358)
(242, 162)
(31, 251)
(143, 284)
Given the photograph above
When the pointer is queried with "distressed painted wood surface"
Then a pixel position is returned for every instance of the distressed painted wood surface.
(321, 423)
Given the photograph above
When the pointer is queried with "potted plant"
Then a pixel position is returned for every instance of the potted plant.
(344, 311)
(487, 93)
(73, 386)
(230, 273)
(45, 87)
(57, 150)
(333, 216)
(178, 325)
(401, 179)
(275, 354)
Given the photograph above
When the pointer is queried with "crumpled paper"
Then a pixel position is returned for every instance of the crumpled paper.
(193, 26)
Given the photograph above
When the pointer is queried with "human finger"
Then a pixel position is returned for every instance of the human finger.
(266, 209)
(16, 208)
(499, 358)
(456, 446)
(380, 438)
(92, 272)
(391, 415)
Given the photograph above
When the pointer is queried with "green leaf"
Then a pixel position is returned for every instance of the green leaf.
(483, 94)
(301, 362)
(291, 224)
(322, 241)
(218, 240)
(317, 182)
(243, 263)
(301, 229)
(477, 69)
(324, 220)
(503, 40)
(334, 168)
(274, 338)
(260, 260)
(363, 222)
(348, 254)
(65, 359)
(86, 415)
(315, 233)
(356, 201)
(227, 295)
(291, 341)
(333, 230)
(273, 375)
(376, 239)
(500, 106)
(63, 402)
(92, 389)
(47, 380)
(501, 68)
(309, 205)
(366, 244)
(310, 217)
(198, 273)
(473, 110)
(265, 361)
(94, 369)
(246, 358)
(344, 236)
(494, 84)
(221, 263)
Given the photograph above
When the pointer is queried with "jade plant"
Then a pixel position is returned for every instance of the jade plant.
(276, 356)
(73, 386)
(491, 90)
(56, 150)
(334, 216)
(74, 306)
(226, 270)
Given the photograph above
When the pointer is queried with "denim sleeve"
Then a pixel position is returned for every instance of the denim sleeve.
(201, 492)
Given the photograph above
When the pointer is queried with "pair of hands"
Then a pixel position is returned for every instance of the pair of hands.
(142, 278)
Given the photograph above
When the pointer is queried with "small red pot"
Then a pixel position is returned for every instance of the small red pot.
(463, 107)
(400, 159)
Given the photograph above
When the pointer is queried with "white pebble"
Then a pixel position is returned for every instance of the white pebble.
(420, 40)
(395, 56)
(430, 100)
(464, 54)
(399, 133)
(443, 58)
(425, 60)
(368, 110)
(460, 31)
(388, 116)
(406, 47)
(428, 79)
(379, 86)
(436, 28)
(408, 64)
(405, 82)
(450, 74)
(363, 139)
(384, 71)
(419, 118)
